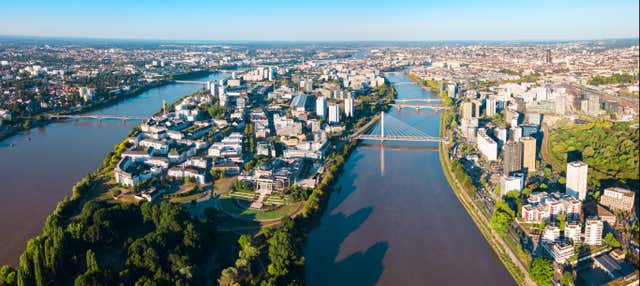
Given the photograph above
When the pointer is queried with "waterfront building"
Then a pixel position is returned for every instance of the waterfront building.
(512, 157)
(618, 198)
(452, 90)
(487, 146)
(321, 107)
(560, 251)
(528, 153)
(334, 113)
(593, 231)
(87, 93)
(348, 106)
(577, 179)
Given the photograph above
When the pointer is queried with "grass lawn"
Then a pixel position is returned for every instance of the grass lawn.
(222, 186)
(228, 205)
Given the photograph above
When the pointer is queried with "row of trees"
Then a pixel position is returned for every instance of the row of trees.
(616, 78)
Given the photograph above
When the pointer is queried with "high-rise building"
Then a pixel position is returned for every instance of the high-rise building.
(452, 90)
(467, 110)
(528, 153)
(577, 179)
(490, 107)
(334, 113)
(548, 56)
(594, 104)
(487, 146)
(593, 231)
(512, 152)
(321, 107)
(87, 93)
(348, 106)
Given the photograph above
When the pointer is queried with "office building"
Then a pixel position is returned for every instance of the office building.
(577, 179)
(452, 90)
(334, 113)
(528, 153)
(348, 106)
(486, 145)
(618, 199)
(593, 231)
(321, 107)
(512, 157)
(548, 56)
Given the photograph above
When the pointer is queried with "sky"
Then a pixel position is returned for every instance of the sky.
(325, 20)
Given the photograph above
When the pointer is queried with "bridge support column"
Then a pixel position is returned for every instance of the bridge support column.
(382, 127)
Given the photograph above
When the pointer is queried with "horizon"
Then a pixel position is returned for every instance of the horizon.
(411, 21)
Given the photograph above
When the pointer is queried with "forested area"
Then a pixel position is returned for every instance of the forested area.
(611, 149)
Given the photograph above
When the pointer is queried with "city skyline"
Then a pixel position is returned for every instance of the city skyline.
(326, 21)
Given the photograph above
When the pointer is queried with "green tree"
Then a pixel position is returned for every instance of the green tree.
(541, 271)
(567, 278)
(501, 218)
(611, 240)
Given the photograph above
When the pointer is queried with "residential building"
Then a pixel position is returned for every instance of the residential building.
(490, 107)
(560, 251)
(577, 179)
(618, 199)
(87, 93)
(512, 157)
(551, 233)
(572, 231)
(528, 153)
(593, 231)
(334, 113)
(512, 183)
(348, 106)
(321, 107)
(487, 146)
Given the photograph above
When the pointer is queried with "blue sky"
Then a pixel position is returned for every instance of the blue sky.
(304, 20)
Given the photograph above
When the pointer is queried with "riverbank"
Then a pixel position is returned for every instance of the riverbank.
(41, 120)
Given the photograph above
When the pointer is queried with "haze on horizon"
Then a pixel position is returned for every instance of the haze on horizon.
(330, 20)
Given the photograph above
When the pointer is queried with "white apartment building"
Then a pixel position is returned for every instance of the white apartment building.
(577, 179)
(593, 231)
(551, 233)
(572, 231)
(487, 146)
(321, 107)
(334, 113)
(348, 106)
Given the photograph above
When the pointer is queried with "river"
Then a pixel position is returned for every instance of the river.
(394, 220)
(46, 162)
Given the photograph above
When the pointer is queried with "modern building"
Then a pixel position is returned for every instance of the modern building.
(512, 183)
(334, 113)
(321, 107)
(348, 106)
(545, 207)
(618, 198)
(560, 104)
(528, 153)
(486, 145)
(577, 179)
(560, 251)
(452, 90)
(572, 231)
(512, 157)
(593, 231)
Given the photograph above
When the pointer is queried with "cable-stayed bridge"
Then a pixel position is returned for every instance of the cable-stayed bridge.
(390, 128)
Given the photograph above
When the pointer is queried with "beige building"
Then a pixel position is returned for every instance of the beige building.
(467, 110)
(529, 153)
(618, 198)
